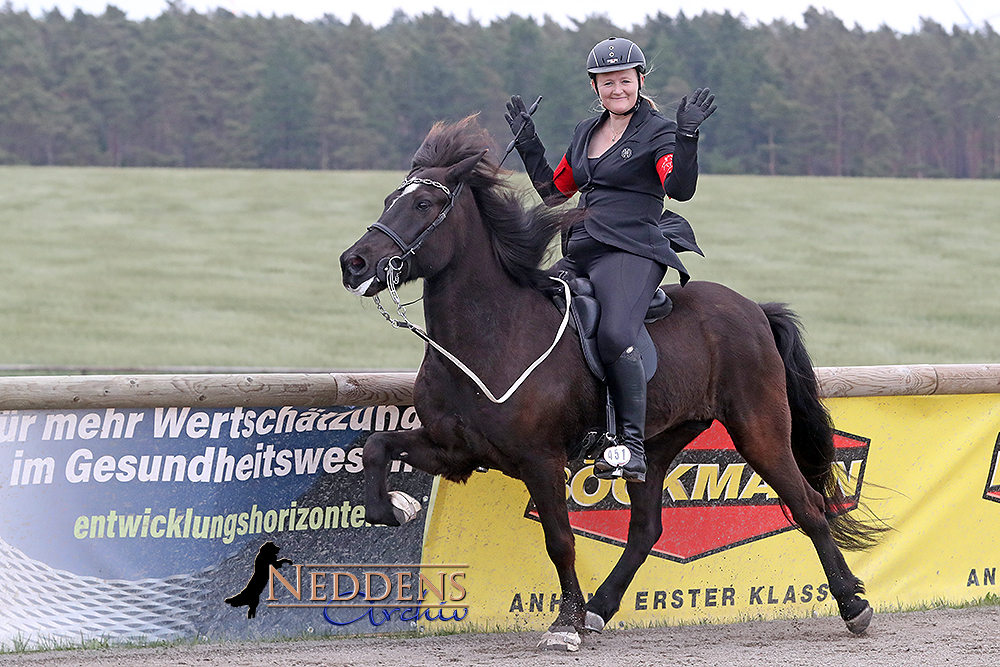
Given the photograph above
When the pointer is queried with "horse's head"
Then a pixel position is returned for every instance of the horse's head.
(406, 238)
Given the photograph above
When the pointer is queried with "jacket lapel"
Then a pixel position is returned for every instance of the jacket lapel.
(586, 147)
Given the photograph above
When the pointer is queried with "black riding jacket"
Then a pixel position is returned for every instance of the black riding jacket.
(623, 189)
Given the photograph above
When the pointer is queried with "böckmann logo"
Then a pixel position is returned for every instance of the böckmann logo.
(992, 491)
(712, 500)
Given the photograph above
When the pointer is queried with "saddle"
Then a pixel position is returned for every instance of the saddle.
(585, 313)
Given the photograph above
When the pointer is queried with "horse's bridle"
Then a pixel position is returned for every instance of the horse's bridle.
(393, 266)
(410, 249)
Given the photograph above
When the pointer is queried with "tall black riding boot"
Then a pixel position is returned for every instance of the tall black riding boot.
(627, 386)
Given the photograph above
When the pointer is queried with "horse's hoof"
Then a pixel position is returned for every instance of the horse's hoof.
(593, 622)
(404, 506)
(860, 623)
(567, 639)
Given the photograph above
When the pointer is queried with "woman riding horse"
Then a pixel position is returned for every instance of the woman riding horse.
(622, 162)
(456, 223)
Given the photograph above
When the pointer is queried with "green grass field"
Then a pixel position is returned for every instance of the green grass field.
(167, 268)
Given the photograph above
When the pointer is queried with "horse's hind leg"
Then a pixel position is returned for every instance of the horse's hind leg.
(765, 444)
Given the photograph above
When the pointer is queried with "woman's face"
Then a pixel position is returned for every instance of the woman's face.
(619, 90)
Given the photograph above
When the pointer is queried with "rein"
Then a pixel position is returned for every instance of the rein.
(394, 265)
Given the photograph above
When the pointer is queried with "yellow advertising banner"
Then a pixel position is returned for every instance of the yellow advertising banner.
(926, 465)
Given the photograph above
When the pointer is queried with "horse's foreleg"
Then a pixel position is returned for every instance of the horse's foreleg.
(379, 449)
(645, 521)
(547, 486)
(644, 529)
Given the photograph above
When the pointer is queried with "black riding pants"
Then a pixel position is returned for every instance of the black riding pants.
(623, 284)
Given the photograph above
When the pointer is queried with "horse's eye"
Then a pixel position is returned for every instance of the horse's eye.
(423, 205)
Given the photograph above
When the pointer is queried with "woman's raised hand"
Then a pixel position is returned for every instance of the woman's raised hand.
(691, 114)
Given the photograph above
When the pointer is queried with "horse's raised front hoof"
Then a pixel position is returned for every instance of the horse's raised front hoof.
(861, 621)
(593, 623)
(560, 639)
(404, 506)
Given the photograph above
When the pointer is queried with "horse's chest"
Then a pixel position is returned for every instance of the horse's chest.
(459, 429)
(456, 421)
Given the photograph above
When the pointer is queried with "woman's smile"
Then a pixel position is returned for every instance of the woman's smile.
(618, 91)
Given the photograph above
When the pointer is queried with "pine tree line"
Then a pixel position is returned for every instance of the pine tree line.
(219, 90)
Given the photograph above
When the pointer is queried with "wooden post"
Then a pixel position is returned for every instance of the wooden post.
(914, 380)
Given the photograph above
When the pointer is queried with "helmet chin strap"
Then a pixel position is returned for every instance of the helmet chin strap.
(632, 110)
(638, 101)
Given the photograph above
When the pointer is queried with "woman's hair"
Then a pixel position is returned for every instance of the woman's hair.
(600, 107)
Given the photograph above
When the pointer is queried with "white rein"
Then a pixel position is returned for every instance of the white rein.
(392, 281)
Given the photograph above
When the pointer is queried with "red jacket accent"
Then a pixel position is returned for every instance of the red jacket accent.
(563, 178)
(664, 166)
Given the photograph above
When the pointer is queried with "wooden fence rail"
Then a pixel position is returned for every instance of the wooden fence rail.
(205, 390)
(914, 380)
(327, 389)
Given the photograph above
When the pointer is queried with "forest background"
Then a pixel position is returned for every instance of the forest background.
(219, 90)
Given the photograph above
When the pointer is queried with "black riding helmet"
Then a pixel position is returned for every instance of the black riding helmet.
(614, 54)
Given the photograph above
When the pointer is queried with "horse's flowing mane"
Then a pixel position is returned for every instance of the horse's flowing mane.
(520, 238)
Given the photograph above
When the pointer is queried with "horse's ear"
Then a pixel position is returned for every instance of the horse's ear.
(460, 171)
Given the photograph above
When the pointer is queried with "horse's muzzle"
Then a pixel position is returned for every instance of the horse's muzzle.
(360, 276)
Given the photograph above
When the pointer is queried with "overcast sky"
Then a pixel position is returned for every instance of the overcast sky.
(900, 15)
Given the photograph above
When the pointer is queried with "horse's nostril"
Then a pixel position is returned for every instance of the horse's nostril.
(355, 264)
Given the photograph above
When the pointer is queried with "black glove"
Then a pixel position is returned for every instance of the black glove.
(517, 116)
(691, 115)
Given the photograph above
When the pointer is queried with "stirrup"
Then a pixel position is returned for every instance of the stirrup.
(594, 443)
(637, 475)
(620, 461)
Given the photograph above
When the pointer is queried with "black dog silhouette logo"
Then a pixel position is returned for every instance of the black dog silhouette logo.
(250, 595)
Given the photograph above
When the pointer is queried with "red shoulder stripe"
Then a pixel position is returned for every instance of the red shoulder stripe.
(563, 178)
(664, 166)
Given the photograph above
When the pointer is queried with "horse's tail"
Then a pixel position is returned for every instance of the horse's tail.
(812, 432)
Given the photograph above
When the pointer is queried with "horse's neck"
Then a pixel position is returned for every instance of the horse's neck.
(475, 299)
(481, 316)
(464, 301)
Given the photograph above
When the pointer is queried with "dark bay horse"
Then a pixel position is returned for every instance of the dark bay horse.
(456, 223)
